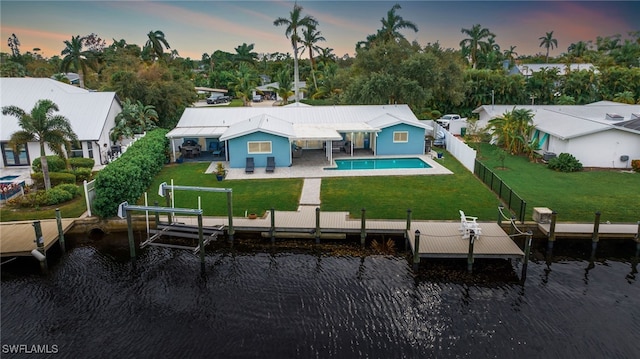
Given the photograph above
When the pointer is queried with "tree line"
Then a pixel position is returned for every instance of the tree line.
(386, 68)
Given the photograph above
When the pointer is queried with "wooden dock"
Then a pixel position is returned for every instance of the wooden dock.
(18, 238)
(585, 230)
(437, 240)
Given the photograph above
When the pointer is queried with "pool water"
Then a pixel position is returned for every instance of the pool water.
(380, 163)
(8, 178)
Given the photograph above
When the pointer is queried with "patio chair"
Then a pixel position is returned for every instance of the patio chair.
(271, 164)
(249, 166)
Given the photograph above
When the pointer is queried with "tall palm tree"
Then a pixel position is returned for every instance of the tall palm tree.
(284, 85)
(548, 42)
(43, 126)
(76, 58)
(156, 41)
(311, 37)
(293, 24)
(392, 25)
(475, 42)
(327, 56)
(510, 54)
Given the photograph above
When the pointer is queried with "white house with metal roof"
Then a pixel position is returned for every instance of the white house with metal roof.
(602, 134)
(528, 70)
(262, 132)
(91, 114)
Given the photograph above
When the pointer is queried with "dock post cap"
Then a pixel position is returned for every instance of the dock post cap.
(161, 189)
(122, 209)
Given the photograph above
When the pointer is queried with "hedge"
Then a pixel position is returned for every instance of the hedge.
(81, 162)
(56, 164)
(128, 177)
(56, 178)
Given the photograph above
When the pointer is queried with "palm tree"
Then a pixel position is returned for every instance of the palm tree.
(510, 54)
(475, 42)
(135, 118)
(43, 126)
(327, 56)
(14, 45)
(392, 25)
(76, 58)
(244, 83)
(155, 43)
(548, 42)
(293, 23)
(311, 36)
(245, 53)
(284, 85)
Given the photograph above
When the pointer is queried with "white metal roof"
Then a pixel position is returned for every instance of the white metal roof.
(569, 121)
(326, 120)
(87, 111)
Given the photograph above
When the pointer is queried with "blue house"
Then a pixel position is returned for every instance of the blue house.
(282, 132)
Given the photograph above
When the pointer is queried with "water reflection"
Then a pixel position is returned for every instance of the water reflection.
(302, 303)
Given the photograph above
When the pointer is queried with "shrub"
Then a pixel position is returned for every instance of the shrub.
(56, 164)
(635, 164)
(81, 173)
(129, 176)
(565, 162)
(56, 178)
(71, 188)
(81, 162)
(55, 196)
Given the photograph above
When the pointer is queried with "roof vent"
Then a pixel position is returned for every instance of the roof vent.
(614, 117)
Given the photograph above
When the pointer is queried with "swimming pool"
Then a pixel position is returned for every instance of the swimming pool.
(379, 163)
(8, 179)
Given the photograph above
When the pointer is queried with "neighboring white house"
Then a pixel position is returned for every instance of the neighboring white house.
(271, 89)
(602, 134)
(91, 114)
(527, 70)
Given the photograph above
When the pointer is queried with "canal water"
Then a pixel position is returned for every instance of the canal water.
(301, 302)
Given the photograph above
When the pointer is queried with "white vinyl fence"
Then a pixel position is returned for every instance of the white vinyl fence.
(457, 148)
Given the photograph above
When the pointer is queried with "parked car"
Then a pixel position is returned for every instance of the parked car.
(215, 99)
(257, 98)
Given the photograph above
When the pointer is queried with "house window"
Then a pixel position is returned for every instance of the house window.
(400, 136)
(76, 149)
(11, 158)
(257, 147)
(90, 148)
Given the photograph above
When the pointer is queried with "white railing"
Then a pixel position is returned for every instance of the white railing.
(89, 194)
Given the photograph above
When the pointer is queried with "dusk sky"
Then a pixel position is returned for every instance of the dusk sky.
(196, 27)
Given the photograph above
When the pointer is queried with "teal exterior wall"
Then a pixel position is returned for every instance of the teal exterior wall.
(238, 150)
(414, 146)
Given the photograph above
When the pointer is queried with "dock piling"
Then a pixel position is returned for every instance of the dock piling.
(596, 235)
(201, 239)
(40, 253)
(416, 250)
(363, 228)
(132, 242)
(406, 233)
(527, 250)
(230, 230)
(272, 229)
(60, 230)
(552, 235)
(472, 238)
(317, 233)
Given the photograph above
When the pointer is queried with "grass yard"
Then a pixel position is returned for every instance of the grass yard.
(253, 196)
(575, 196)
(72, 209)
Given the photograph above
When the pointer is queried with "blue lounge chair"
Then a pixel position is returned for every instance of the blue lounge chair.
(249, 166)
(271, 164)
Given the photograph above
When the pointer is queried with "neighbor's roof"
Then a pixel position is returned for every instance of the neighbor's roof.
(530, 69)
(569, 121)
(87, 111)
(209, 89)
(327, 120)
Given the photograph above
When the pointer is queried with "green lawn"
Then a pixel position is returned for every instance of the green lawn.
(72, 209)
(575, 196)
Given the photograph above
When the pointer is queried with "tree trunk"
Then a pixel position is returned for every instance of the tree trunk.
(296, 76)
(45, 167)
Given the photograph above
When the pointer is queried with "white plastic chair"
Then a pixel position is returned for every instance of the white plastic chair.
(468, 224)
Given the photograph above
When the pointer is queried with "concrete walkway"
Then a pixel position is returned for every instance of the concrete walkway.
(310, 192)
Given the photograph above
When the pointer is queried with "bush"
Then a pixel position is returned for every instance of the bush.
(81, 173)
(635, 164)
(71, 188)
(56, 178)
(55, 196)
(56, 164)
(565, 162)
(81, 162)
(129, 176)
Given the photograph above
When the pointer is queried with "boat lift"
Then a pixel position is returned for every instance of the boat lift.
(174, 228)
